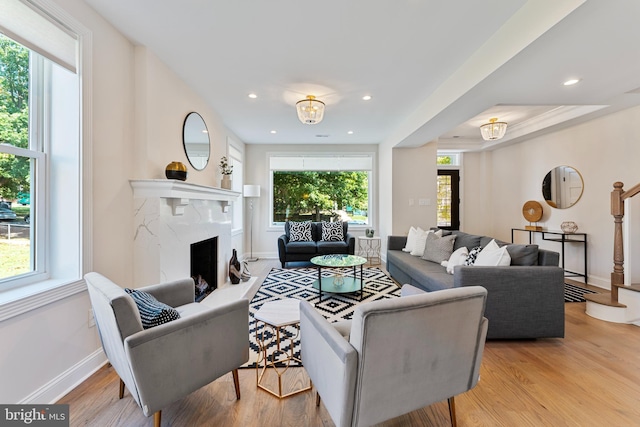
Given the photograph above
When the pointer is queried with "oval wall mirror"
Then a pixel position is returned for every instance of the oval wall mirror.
(195, 138)
(562, 187)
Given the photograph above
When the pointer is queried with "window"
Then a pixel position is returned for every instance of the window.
(40, 162)
(448, 190)
(322, 188)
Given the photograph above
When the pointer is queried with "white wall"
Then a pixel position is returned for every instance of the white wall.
(604, 150)
(265, 237)
(415, 175)
(138, 107)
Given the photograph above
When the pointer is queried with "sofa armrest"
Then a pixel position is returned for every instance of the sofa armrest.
(396, 243)
(324, 350)
(174, 293)
(351, 241)
(282, 248)
(522, 301)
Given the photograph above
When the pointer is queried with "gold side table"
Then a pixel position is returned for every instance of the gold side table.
(271, 321)
(370, 247)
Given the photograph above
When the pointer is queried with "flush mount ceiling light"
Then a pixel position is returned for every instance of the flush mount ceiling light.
(310, 110)
(493, 130)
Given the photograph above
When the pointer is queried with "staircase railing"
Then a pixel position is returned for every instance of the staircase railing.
(618, 196)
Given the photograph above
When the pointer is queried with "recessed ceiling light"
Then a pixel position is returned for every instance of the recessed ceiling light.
(205, 131)
(322, 136)
(571, 82)
(273, 131)
(366, 97)
(253, 96)
(350, 132)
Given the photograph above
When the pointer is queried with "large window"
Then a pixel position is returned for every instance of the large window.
(321, 188)
(40, 161)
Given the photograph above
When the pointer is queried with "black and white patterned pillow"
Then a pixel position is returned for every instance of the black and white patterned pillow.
(300, 231)
(332, 231)
(473, 254)
(152, 311)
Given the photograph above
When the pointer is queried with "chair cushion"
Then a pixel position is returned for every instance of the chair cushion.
(301, 248)
(152, 311)
(332, 231)
(300, 231)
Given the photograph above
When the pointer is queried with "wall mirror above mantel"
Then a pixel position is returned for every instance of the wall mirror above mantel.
(562, 187)
(195, 138)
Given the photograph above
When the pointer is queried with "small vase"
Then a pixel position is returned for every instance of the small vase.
(176, 170)
(226, 182)
(234, 269)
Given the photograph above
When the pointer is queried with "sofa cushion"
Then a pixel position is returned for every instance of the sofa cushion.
(326, 248)
(300, 231)
(152, 311)
(301, 248)
(426, 275)
(523, 254)
(438, 249)
(466, 239)
(421, 241)
(332, 231)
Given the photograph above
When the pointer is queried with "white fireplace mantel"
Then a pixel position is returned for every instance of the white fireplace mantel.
(178, 193)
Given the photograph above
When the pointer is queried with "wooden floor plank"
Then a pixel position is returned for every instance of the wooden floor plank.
(589, 378)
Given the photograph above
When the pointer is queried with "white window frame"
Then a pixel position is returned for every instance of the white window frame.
(236, 159)
(44, 288)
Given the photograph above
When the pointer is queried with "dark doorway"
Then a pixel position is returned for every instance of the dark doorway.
(449, 199)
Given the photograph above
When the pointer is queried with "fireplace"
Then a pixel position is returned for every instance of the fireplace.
(204, 266)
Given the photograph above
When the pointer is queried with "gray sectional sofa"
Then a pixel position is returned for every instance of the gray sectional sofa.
(525, 299)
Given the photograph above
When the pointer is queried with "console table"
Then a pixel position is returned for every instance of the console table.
(562, 238)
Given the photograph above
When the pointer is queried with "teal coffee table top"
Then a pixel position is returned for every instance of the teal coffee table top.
(338, 260)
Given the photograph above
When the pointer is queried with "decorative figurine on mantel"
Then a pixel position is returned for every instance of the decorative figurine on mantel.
(226, 170)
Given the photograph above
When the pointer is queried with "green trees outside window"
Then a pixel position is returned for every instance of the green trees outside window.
(321, 196)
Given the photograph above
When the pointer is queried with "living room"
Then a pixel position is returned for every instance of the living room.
(136, 104)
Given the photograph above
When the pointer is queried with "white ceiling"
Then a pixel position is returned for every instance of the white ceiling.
(435, 69)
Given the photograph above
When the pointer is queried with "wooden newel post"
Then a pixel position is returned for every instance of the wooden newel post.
(617, 210)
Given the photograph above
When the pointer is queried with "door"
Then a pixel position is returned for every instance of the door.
(449, 199)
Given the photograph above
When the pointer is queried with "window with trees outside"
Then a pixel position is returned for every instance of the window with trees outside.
(40, 160)
(322, 188)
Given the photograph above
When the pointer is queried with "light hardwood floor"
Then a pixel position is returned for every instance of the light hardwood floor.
(589, 378)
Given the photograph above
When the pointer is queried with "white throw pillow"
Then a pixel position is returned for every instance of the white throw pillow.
(458, 257)
(421, 241)
(493, 255)
(411, 238)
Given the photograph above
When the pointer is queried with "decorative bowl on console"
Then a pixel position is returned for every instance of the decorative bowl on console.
(569, 227)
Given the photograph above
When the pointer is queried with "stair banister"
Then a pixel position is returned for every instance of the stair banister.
(618, 196)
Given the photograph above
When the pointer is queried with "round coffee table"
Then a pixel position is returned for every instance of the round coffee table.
(338, 283)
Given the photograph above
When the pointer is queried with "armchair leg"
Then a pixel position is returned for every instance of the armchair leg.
(317, 399)
(236, 383)
(156, 419)
(452, 411)
(121, 394)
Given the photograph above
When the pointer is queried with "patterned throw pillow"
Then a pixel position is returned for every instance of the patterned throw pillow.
(152, 311)
(473, 254)
(300, 231)
(438, 249)
(332, 231)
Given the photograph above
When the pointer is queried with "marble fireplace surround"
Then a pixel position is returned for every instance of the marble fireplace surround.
(169, 216)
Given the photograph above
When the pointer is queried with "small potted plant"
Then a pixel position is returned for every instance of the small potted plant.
(226, 170)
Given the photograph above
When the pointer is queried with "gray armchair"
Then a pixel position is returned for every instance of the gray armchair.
(395, 355)
(165, 363)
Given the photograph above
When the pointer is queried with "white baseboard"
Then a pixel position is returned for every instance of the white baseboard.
(57, 388)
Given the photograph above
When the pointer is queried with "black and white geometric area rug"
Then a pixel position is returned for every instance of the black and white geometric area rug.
(573, 293)
(298, 283)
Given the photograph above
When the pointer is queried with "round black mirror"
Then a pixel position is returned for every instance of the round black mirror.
(195, 138)
(562, 187)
